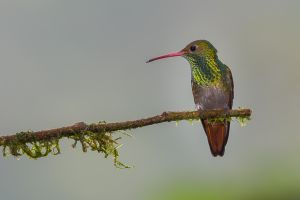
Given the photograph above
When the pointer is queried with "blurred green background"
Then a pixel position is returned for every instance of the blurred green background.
(66, 61)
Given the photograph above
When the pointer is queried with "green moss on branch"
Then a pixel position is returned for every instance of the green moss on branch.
(99, 137)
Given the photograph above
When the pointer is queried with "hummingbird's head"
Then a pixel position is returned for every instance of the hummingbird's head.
(194, 50)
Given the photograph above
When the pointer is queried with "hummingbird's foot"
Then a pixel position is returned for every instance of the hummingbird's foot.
(198, 107)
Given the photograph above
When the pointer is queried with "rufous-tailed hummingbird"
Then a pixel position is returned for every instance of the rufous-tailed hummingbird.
(212, 87)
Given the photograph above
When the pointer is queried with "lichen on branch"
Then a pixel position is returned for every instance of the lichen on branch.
(100, 136)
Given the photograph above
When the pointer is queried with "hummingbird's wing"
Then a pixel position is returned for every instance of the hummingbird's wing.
(230, 86)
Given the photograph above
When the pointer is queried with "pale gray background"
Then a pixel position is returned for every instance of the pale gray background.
(64, 61)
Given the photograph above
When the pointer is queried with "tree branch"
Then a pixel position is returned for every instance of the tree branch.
(98, 137)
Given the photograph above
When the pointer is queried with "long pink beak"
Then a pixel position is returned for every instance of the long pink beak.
(179, 53)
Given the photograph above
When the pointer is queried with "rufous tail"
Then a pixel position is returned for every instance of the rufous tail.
(217, 135)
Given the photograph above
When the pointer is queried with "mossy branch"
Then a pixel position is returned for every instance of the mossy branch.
(98, 137)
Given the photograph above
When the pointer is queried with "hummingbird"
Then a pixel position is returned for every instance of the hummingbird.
(212, 87)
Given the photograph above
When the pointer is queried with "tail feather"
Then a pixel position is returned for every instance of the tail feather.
(217, 135)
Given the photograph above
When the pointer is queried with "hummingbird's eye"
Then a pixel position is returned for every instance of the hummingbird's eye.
(193, 48)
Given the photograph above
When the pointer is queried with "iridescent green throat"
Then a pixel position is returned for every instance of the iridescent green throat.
(206, 70)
